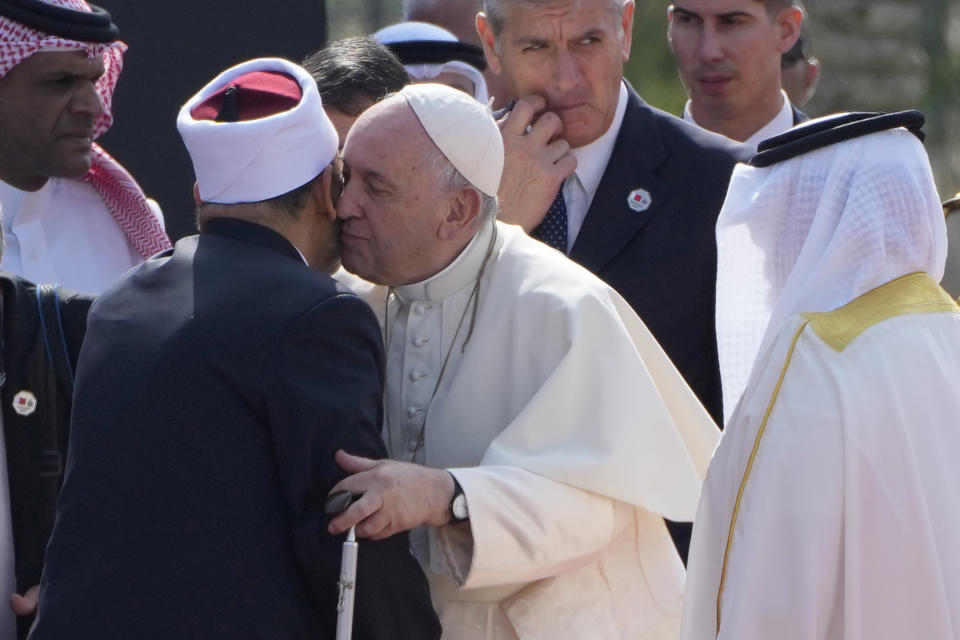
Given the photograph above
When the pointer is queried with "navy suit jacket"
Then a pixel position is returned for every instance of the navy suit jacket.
(214, 386)
(36, 443)
(663, 260)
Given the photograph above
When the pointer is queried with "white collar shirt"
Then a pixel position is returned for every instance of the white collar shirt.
(781, 122)
(592, 159)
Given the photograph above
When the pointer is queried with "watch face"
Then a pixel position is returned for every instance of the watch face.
(459, 507)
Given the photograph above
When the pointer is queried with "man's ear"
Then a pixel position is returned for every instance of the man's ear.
(626, 22)
(789, 21)
(196, 194)
(462, 214)
(811, 79)
(670, 27)
(322, 192)
(489, 42)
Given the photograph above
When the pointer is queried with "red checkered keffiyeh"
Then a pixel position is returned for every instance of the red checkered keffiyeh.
(121, 194)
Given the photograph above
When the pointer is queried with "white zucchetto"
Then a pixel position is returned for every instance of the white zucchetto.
(463, 129)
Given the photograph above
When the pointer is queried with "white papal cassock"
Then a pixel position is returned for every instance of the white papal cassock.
(570, 432)
(831, 508)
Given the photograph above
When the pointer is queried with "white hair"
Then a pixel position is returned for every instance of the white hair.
(448, 177)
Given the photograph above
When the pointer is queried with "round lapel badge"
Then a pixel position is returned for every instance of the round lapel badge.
(639, 200)
(24, 403)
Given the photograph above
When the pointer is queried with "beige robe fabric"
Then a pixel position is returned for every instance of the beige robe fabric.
(847, 527)
(570, 432)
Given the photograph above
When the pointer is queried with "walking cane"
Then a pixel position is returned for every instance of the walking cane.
(336, 504)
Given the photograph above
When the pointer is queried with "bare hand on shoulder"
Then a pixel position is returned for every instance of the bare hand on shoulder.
(536, 162)
(394, 496)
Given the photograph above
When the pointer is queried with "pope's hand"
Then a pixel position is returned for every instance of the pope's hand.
(536, 162)
(394, 496)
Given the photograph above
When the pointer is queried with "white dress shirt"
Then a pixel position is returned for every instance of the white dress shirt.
(64, 233)
(592, 159)
(781, 122)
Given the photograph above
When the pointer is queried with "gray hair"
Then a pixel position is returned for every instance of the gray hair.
(448, 177)
(496, 14)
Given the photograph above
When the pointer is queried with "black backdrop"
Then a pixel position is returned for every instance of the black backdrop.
(176, 47)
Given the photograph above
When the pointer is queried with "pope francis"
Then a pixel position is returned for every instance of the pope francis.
(539, 434)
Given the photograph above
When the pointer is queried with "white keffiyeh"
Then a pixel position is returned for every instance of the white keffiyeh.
(812, 233)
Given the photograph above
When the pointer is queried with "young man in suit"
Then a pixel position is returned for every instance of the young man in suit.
(730, 54)
(216, 384)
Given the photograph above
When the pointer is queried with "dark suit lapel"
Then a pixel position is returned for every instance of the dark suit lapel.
(798, 116)
(611, 223)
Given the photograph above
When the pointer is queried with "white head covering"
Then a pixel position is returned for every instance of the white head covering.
(812, 233)
(463, 129)
(413, 31)
(254, 160)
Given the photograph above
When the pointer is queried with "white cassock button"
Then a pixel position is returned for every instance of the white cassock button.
(419, 342)
(412, 412)
(418, 309)
(417, 376)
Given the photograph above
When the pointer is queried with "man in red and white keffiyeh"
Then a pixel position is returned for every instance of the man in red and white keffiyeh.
(72, 213)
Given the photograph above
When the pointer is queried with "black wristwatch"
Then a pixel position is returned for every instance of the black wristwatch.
(458, 504)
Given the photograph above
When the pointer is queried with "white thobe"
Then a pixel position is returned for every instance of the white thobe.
(847, 526)
(64, 233)
(569, 431)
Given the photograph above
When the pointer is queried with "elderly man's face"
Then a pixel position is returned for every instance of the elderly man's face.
(571, 52)
(48, 105)
(728, 52)
(392, 201)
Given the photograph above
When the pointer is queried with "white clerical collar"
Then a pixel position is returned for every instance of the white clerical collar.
(460, 273)
(781, 122)
(592, 158)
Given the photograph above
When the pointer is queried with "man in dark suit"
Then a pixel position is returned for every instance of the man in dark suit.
(624, 189)
(42, 329)
(641, 189)
(216, 383)
(730, 55)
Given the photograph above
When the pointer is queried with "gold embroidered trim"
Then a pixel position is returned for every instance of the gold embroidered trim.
(746, 473)
(910, 294)
(914, 293)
